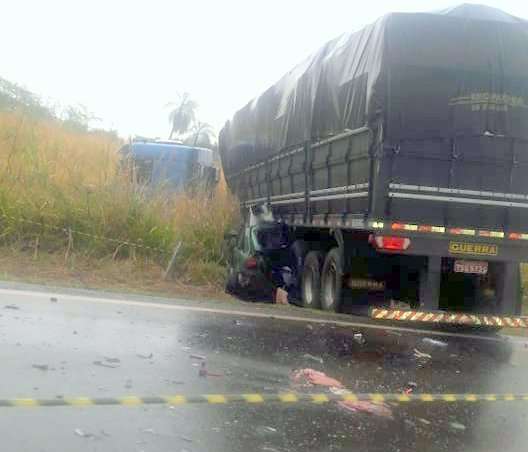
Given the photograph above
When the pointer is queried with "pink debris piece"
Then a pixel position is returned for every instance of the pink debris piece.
(378, 409)
(314, 377)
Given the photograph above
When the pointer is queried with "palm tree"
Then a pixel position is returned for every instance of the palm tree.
(201, 134)
(182, 115)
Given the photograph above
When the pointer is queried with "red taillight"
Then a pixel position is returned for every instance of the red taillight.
(251, 263)
(390, 243)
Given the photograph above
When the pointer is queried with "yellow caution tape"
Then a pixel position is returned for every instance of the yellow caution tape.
(260, 398)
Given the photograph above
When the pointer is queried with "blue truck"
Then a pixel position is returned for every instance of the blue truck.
(169, 165)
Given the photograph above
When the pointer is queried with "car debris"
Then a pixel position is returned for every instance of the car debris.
(434, 342)
(11, 306)
(43, 367)
(149, 356)
(411, 386)
(103, 364)
(185, 438)
(313, 358)
(457, 426)
(421, 355)
(359, 339)
(380, 409)
(281, 296)
(311, 377)
(83, 434)
(203, 372)
(111, 360)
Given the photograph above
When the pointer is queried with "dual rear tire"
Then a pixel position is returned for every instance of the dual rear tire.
(322, 280)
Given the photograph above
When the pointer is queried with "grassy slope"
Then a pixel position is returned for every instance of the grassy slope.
(56, 178)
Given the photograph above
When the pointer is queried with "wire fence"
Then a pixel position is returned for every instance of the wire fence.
(70, 232)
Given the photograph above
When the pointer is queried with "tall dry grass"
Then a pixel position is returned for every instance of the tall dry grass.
(54, 179)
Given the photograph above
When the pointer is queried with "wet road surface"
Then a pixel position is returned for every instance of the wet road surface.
(62, 346)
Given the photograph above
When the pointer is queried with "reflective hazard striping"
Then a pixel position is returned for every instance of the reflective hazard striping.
(260, 398)
(448, 318)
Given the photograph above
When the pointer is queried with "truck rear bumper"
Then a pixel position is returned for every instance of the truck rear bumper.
(452, 318)
(464, 247)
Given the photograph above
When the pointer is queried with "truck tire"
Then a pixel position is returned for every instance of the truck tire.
(332, 281)
(232, 286)
(311, 280)
(298, 252)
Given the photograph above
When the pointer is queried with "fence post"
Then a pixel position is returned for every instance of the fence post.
(169, 272)
(70, 245)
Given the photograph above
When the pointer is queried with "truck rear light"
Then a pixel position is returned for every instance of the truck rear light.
(251, 263)
(390, 243)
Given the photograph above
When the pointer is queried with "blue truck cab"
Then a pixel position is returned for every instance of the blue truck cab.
(168, 164)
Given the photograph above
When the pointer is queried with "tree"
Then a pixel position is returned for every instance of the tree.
(78, 117)
(182, 115)
(201, 134)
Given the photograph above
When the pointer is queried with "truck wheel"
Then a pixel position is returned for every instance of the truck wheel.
(311, 280)
(298, 252)
(232, 286)
(332, 281)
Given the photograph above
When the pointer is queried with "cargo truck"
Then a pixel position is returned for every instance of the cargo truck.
(397, 156)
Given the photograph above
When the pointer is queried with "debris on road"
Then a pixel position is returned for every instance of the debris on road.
(411, 386)
(313, 358)
(149, 356)
(43, 367)
(264, 430)
(359, 339)
(185, 438)
(378, 409)
(74, 332)
(421, 355)
(11, 306)
(434, 342)
(203, 371)
(149, 430)
(457, 426)
(424, 421)
(103, 364)
(201, 357)
(310, 377)
(111, 360)
(281, 296)
(53, 299)
(83, 434)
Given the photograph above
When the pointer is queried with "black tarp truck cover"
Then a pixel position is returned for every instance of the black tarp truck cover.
(434, 111)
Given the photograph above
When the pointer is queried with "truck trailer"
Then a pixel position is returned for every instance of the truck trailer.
(397, 156)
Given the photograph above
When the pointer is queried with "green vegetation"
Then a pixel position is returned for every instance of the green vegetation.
(61, 191)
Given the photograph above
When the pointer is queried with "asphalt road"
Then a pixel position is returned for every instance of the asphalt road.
(63, 345)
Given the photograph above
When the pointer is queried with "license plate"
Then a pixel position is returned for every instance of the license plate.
(474, 267)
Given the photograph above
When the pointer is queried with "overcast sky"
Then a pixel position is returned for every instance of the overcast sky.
(125, 60)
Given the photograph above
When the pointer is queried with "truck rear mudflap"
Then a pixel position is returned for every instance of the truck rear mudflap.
(451, 318)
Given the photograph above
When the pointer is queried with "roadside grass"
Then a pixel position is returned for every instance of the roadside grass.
(83, 272)
(62, 193)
